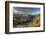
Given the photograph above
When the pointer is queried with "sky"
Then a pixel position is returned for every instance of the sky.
(26, 10)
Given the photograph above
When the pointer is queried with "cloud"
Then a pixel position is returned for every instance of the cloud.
(35, 13)
(22, 12)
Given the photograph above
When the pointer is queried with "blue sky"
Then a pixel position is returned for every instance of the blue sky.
(26, 10)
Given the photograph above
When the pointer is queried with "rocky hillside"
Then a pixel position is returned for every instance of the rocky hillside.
(27, 20)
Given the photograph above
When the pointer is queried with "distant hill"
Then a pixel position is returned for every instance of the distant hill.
(24, 17)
